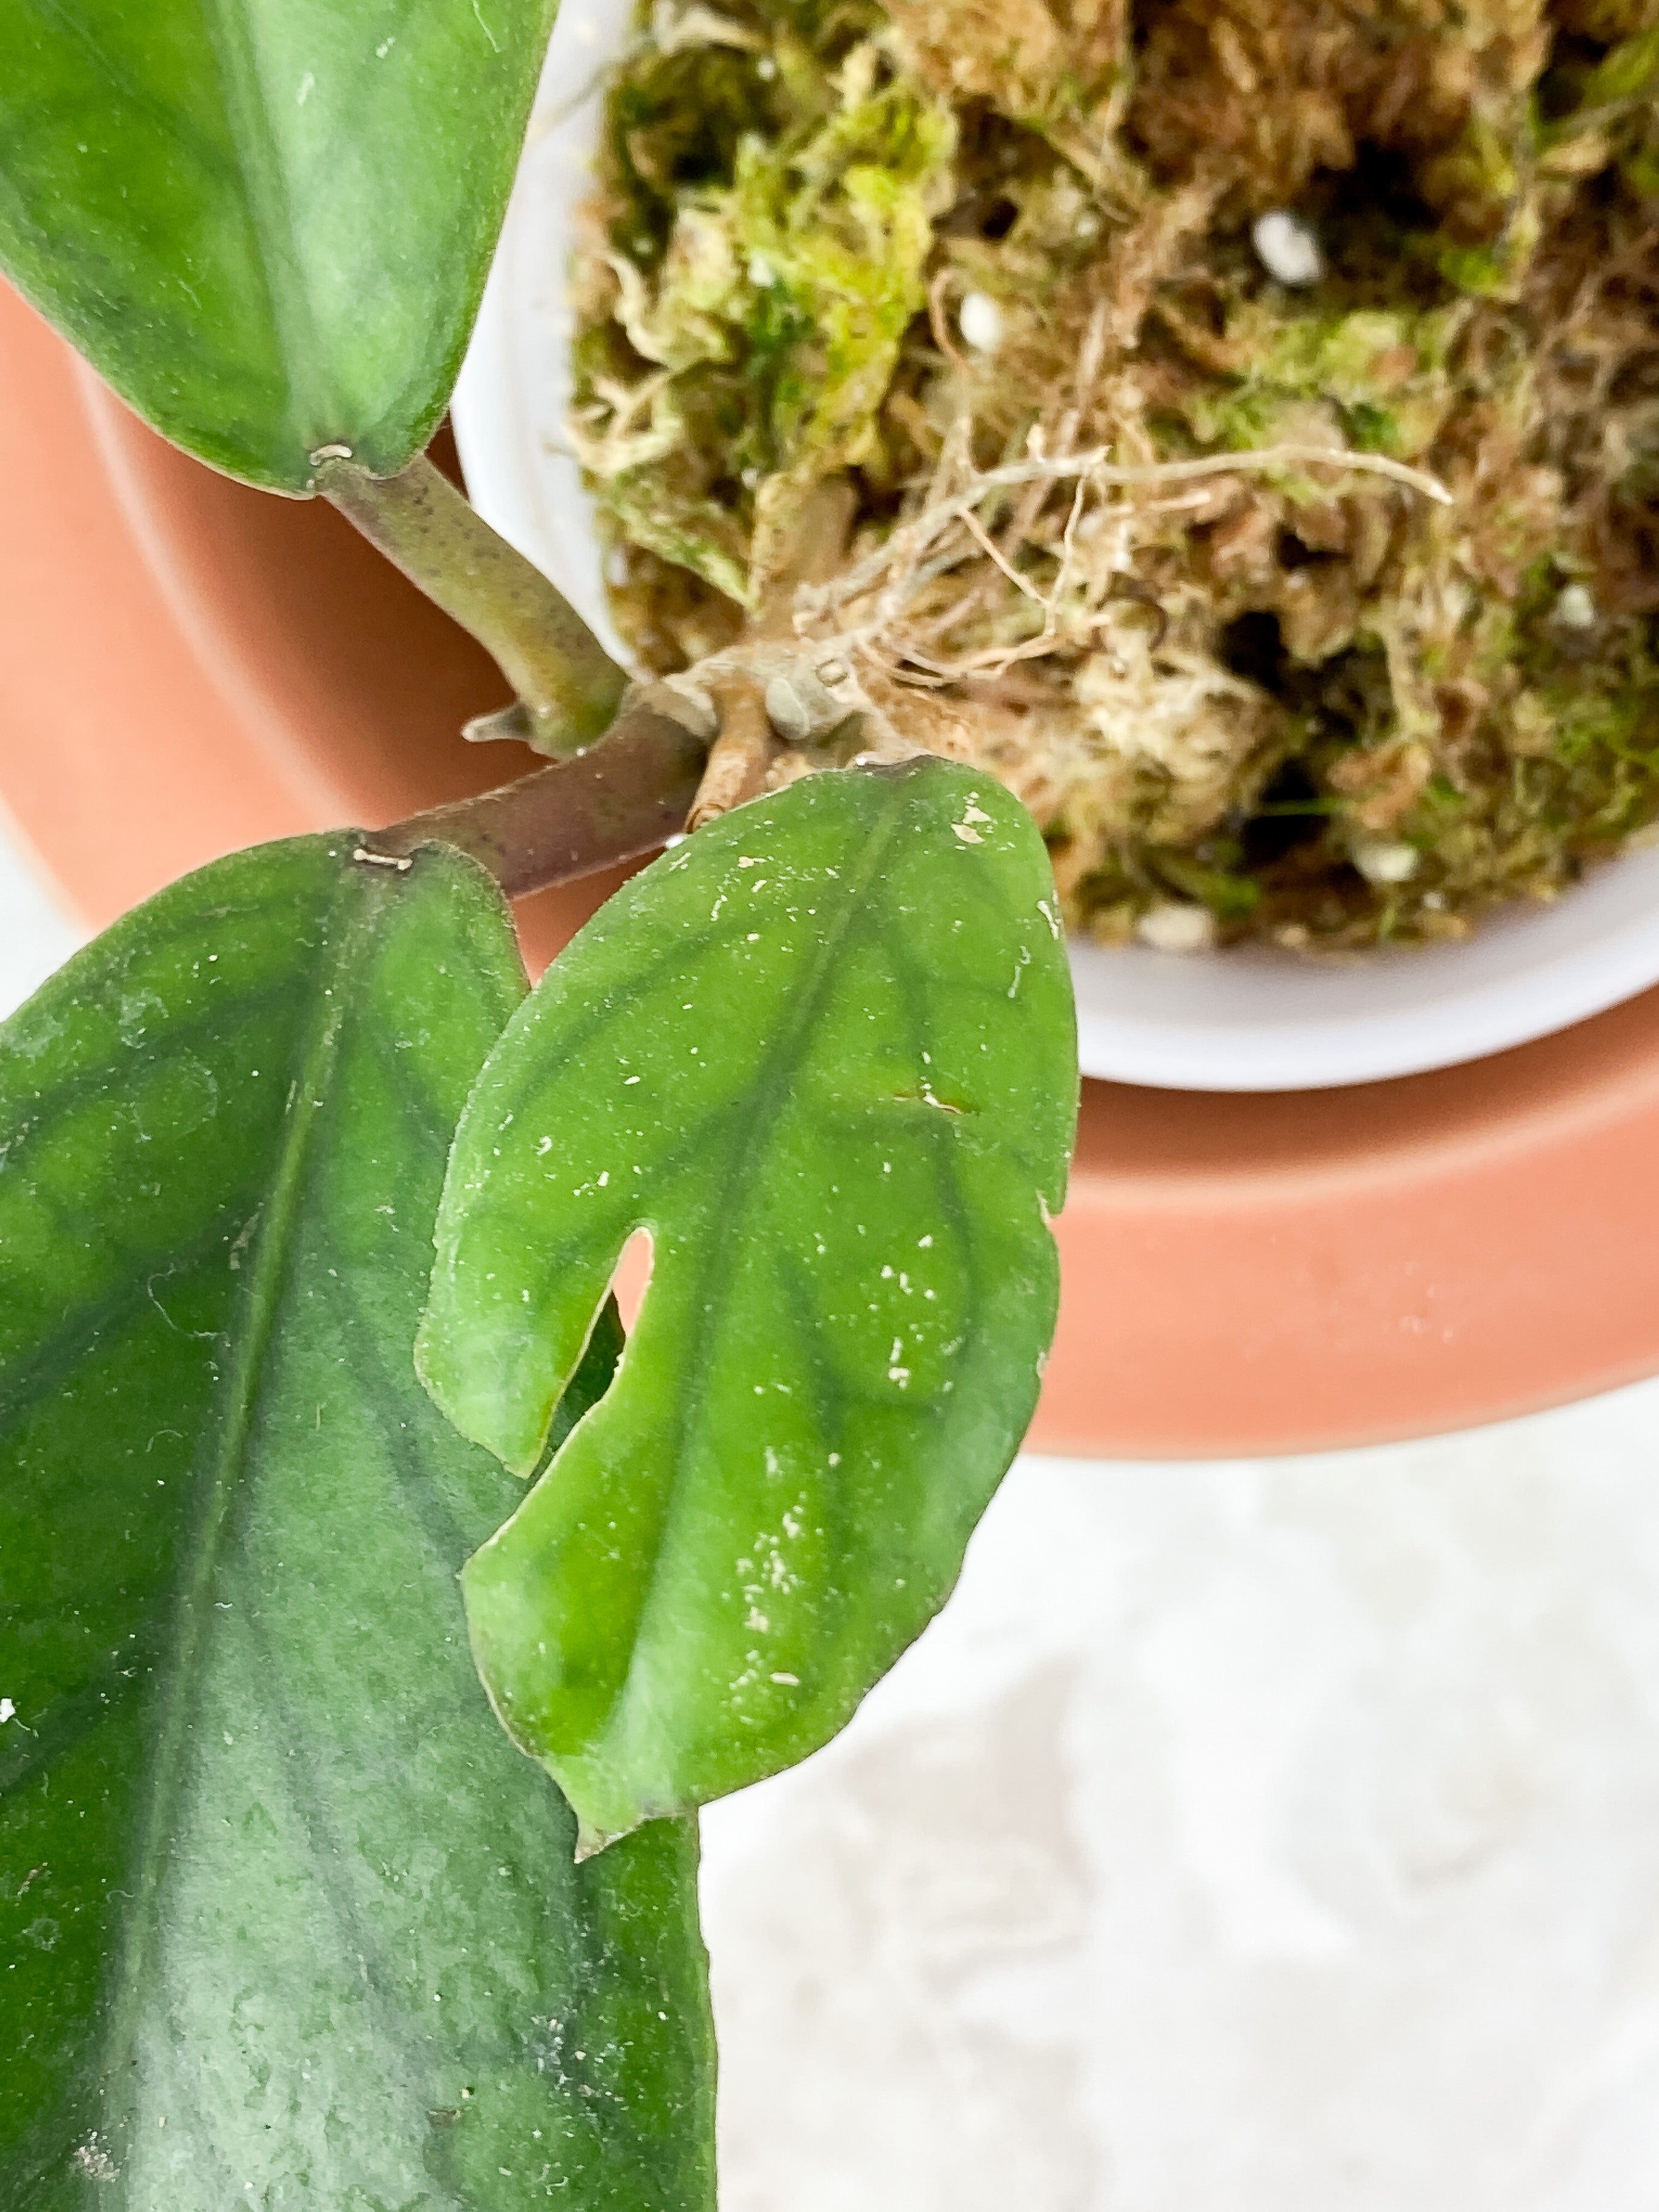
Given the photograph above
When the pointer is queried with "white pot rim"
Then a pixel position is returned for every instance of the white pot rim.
(1247, 1020)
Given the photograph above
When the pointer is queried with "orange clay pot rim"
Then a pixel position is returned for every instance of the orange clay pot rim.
(186, 666)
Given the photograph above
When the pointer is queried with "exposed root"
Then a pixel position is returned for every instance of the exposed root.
(741, 755)
(1332, 610)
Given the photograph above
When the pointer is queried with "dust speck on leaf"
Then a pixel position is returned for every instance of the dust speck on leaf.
(95, 2160)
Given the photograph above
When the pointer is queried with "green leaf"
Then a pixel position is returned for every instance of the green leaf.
(285, 1920)
(266, 222)
(825, 1052)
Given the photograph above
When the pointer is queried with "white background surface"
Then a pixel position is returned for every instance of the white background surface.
(1278, 1836)
(34, 934)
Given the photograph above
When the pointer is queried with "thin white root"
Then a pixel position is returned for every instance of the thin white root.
(911, 539)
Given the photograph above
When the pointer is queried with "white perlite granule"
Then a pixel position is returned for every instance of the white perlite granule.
(1174, 927)
(980, 320)
(1289, 249)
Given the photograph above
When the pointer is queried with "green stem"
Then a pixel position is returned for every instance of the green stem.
(626, 797)
(568, 684)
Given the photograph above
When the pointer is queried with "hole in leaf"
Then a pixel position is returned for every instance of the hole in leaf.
(633, 1277)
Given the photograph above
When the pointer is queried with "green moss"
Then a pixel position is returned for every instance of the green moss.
(1231, 896)
(785, 194)
(783, 206)
(1484, 272)
(1629, 72)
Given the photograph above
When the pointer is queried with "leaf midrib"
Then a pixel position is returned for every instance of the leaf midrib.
(785, 1050)
(300, 349)
(262, 1299)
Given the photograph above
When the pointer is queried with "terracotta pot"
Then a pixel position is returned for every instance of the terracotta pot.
(186, 666)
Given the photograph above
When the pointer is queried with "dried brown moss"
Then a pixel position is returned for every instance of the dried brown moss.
(1311, 702)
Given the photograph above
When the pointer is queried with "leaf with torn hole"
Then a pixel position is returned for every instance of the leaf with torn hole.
(824, 1053)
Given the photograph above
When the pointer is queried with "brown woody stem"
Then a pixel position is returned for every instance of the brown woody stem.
(626, 797)
(568, 684)
(740, 755)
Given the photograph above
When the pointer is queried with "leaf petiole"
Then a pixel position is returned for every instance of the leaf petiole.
(568, 686)
(625, 797)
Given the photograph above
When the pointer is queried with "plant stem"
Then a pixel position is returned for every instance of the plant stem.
(568, 684)
(626, 797)
(740, 755)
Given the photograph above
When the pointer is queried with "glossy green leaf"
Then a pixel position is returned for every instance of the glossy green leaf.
(285, 1920)
(825, 1052)
(266, 222)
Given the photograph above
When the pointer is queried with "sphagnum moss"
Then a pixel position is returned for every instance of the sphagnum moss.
(1306, 704)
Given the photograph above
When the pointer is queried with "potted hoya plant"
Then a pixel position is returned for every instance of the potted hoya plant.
(372, 1626)
(1226, 430)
